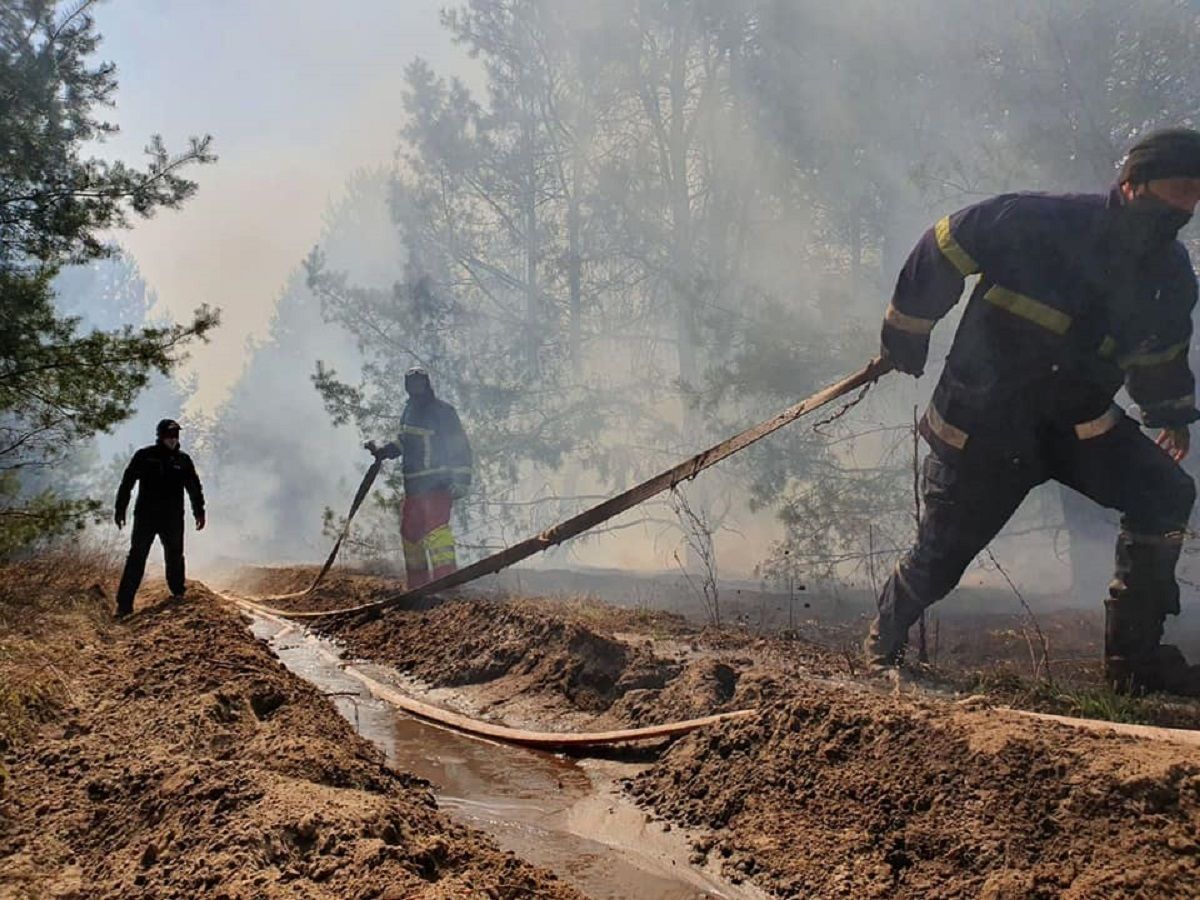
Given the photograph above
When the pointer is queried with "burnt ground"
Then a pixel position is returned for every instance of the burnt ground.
(839, 787)
(173, 757)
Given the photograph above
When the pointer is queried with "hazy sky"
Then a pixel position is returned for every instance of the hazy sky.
(297, 95)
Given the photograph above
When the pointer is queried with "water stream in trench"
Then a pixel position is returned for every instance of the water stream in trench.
(563, 814)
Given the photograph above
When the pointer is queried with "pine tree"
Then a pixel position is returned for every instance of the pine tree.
(60, 383)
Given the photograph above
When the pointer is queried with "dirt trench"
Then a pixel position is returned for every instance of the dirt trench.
(186, 762)
(836, 788)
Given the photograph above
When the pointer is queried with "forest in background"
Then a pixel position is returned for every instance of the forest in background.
(633, 229)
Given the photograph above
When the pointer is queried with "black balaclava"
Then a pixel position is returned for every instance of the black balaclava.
(1169, 153)
(167, 428)
(414, 377)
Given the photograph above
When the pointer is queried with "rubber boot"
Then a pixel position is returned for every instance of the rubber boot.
(1142, 594)
(899, 609)
(884, 646)
(1163, 668)
(1132, 633)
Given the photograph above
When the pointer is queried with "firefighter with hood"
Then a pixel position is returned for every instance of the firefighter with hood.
(1077, 296)
(162, 473)
(436, 465)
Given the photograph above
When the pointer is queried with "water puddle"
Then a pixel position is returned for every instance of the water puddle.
(563, 814)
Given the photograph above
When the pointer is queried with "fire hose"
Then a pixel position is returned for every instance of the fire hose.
(589, 518)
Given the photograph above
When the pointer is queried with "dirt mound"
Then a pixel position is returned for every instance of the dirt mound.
(188, 762)
(836, 793)
(340, 588)
(471, 642)
(703, 687)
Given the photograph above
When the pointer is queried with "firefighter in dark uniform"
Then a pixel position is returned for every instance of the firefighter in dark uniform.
(162, 473)
(437, 471)
(1077, 296)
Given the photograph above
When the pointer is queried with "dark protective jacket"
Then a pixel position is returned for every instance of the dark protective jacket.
(435, 450)
(162, 475)
(1068, 308)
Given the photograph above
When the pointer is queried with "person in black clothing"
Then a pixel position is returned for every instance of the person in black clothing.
(1078, 295)
(163, 472)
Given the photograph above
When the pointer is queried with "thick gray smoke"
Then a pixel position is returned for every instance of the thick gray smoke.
(275, 462)
(646, 225)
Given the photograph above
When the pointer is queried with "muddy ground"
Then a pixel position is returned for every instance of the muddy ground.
(839, 787)
(173, 757)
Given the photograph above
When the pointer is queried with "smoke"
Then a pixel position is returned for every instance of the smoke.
(274, 460)
(638, 228)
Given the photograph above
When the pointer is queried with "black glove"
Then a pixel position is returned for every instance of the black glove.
(119, 518)
(389, 450)
(905, 351)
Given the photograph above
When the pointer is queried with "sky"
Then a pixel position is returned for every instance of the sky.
(297, 95)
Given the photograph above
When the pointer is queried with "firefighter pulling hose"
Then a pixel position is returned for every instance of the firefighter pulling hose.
(436, 464)
(437, 471)
(1078, 296)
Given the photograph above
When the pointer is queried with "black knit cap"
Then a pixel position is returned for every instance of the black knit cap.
(167, 428)
(1169, 153)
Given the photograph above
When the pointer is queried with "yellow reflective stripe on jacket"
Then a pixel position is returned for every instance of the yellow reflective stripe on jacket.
(952, 250)
(1027, 308)
(1108, 346)
(1103, 424)
(413, 429)
(950, 434)
(905, 322)
(1169, 539)
(1154, 358)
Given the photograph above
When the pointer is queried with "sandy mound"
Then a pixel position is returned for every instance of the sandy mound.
(472, 642)
(844, 793)
(190, 763)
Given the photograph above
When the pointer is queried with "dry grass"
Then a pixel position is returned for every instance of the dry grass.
(1088, 701)
(46, 602)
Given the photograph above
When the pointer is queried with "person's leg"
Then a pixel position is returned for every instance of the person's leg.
(439, 540)
(171, 536)
(1124, 470)
(140, 539)
(964, 509)
(412, 536)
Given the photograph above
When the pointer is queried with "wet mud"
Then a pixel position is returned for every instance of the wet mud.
(563, 814)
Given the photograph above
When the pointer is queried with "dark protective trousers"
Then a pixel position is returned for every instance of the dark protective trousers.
(966, 504)
(145, 530)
